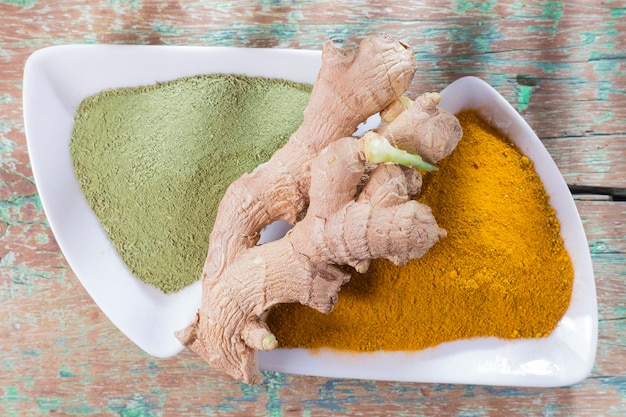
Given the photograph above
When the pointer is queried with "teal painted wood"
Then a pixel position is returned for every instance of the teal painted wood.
(562, 65)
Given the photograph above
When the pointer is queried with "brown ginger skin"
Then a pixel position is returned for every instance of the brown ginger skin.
(340, 228)
(439, 131)
(350, 87)
(314, 182)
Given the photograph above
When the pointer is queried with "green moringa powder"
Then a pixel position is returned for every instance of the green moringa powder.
(153, 162)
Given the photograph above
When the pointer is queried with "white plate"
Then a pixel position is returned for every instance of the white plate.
(57, 79)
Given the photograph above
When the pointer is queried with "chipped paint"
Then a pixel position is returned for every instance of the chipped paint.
(31, 352)
(524, 92)
(594, 37)
(464, 6)
(21, 209)
(553, 10)
(49, 404)
(138, 405)
(618, 12)
(6, 145)
(525, 86)
(274, 383)
(42, 238)
(6, 98)
(65, 372)
(12, 401)
(118, 5)
(22, 3)
(603, 118)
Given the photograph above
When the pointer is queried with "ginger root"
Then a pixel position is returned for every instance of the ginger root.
(348, 200)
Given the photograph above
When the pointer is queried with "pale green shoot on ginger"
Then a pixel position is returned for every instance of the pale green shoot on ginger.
(378, 150)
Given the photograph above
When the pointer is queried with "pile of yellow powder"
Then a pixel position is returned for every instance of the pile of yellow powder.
(501, 271)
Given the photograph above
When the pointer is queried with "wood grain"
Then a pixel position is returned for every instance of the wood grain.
(561, 64)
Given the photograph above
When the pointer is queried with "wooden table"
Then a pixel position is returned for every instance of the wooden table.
(561, 64)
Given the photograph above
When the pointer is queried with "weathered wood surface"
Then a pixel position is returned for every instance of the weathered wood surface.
(561, 64)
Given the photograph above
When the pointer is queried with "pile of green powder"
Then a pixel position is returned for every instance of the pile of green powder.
(153, 162)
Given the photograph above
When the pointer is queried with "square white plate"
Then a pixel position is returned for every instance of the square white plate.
(57, 79)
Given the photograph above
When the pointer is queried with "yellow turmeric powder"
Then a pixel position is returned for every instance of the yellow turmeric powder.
(501, 271)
